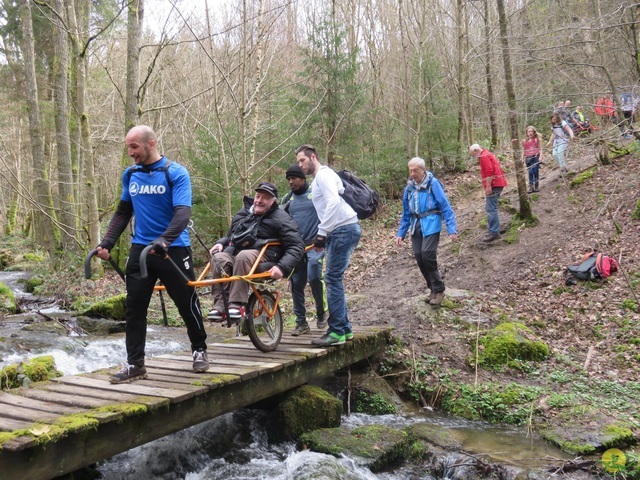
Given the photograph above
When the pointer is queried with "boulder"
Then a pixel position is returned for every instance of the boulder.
(307, 408)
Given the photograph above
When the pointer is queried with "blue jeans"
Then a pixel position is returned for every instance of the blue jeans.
(533, 167)
(308, 270)
(491, 206)
(340, 245)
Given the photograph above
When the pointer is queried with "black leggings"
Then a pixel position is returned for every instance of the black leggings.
(139, 293)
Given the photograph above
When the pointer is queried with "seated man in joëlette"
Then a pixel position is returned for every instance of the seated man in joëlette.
(251, 228)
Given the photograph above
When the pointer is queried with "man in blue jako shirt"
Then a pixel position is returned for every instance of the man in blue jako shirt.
(299, 205)
(158, 192)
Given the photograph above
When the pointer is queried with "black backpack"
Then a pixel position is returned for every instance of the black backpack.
(360, 196)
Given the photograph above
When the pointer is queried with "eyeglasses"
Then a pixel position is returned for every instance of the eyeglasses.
(306, 148)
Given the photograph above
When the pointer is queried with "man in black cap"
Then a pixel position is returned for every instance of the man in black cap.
(298, 204)
(254, 225)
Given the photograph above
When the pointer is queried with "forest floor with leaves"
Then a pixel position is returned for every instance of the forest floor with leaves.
(589, 382)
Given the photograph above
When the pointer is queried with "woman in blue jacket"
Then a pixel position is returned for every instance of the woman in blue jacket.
(424, 206)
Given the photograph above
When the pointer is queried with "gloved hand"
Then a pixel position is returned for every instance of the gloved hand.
(159, 246)
(320, 241)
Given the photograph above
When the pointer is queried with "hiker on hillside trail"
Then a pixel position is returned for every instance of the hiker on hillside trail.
(560, 136)
(532, 157)
(424, 206)
(493, 182)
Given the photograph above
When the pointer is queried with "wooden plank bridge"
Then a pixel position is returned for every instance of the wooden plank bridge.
(57, 427)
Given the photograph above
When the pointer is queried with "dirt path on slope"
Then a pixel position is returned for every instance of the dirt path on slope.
(522, 281)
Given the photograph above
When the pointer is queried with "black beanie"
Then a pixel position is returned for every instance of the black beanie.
(295, 171)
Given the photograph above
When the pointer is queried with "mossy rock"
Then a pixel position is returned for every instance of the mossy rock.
(377, 446)
(37, 369)
(32, 283)
(583, 177)
(588, 437)
(511, 341)
(6, 259)
(33, 257)
(7, 300)
(101, 326)
(112, 307)
(373, 395)
(444, 437)
(308, 408)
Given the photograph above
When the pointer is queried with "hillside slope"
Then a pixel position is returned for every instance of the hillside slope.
(591, 330)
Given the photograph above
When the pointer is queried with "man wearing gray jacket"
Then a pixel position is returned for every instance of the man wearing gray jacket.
(299, 205)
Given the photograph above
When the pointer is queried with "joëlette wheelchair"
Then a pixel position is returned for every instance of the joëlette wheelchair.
(261, 320)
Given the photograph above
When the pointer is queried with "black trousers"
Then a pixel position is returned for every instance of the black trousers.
(139, 293)
(425, 250)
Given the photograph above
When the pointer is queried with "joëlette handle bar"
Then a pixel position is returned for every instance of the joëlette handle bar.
(201, 282)
(87, 265)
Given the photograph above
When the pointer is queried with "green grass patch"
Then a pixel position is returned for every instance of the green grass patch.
(583, 177)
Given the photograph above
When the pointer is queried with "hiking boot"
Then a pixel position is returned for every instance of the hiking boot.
(300, 329)
(430, 297)
(491, 237)
(348, 336)
(329, 340)
(215, 315)
(322, 321)
(128, 373)
(530, 189)
(436, 301)
(536, 187)
(200, 361)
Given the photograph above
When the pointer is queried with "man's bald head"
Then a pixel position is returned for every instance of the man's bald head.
(141, 145)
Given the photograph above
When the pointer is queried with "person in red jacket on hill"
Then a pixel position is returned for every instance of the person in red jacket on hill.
(493, 181)
(605, 110)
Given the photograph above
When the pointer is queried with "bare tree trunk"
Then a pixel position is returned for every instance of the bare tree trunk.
(134, 33)
(258, 85)
(405, 73)
(525, 205)
(242, 117)
(79, 33)
(460, 69)
(220, 140)
(44, 214)
(63, 142)
(634, 21)
(490, 97)
(132, 101)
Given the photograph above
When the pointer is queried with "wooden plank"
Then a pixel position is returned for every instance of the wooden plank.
(65, 399)
(28, 415)
(217, 363)
(98, 398)
(286, 359)
(10, 399)
(11, 424)
(172, 394)
(296, 347)
(317, 352)
(230, 361)
(215, 368)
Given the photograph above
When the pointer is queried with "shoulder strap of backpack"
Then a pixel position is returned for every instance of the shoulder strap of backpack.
(139, 168)
(287, 197)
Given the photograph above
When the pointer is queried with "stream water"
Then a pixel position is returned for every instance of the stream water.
(240, 445)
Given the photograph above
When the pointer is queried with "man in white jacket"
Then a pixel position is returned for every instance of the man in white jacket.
(338, 234)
